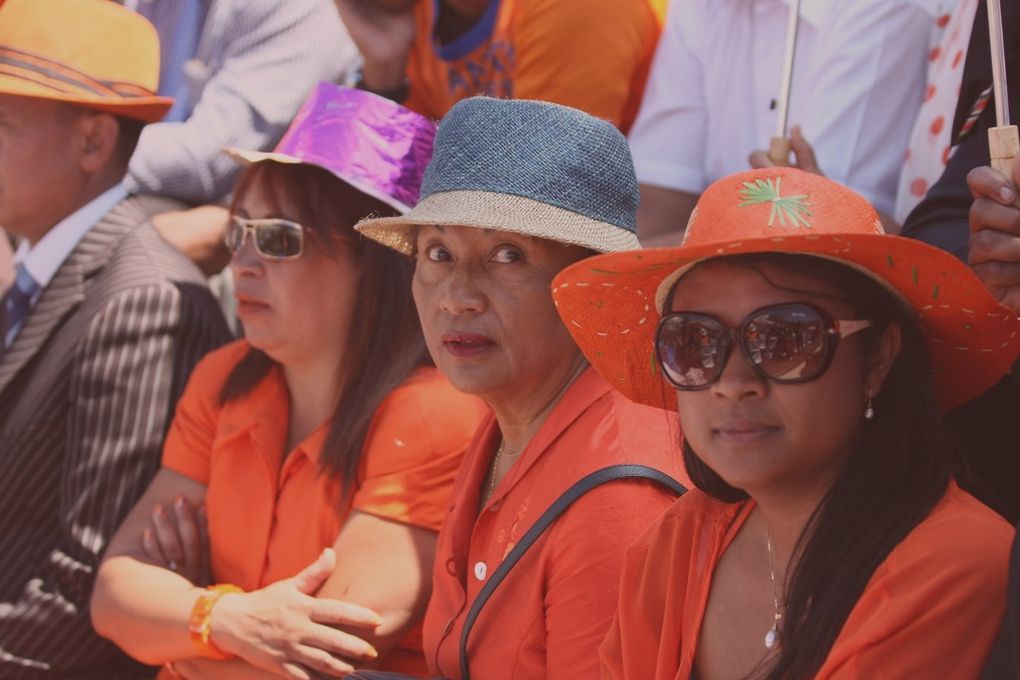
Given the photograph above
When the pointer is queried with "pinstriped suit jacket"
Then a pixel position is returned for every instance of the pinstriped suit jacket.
(87, 391)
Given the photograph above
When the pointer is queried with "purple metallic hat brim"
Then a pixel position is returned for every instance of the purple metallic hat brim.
(372, 143)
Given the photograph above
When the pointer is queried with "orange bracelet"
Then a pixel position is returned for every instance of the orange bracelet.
(201, 613)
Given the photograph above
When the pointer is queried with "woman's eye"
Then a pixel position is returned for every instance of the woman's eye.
(507, 255)
(437, 254)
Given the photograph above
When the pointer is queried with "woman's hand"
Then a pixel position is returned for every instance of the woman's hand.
(285, 630)
(803, 153)
(178, 538)
(384, 31)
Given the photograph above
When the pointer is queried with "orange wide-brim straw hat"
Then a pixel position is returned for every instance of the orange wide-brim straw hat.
(612, 303)
(93, 53)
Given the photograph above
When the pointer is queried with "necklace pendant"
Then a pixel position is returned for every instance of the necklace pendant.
(772, 638)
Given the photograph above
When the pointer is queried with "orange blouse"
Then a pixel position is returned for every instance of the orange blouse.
(271, 514)
(593, 55)
(931, 610)
(547, 618)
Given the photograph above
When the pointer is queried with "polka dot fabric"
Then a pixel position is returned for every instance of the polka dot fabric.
(930, 142)
(611, 303)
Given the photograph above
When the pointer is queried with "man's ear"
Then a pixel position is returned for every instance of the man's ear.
(98, 133)
(881, 361)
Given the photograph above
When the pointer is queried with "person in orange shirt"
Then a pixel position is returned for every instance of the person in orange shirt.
(808, 355)
(516, 191)
(326, 426)
(593, 55)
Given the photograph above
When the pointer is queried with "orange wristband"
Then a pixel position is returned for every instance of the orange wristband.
(201, 613)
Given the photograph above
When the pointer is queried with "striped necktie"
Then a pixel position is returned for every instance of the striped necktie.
(18, 303)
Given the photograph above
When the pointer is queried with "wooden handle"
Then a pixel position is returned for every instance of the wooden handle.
(779, 151)
(1004, 146)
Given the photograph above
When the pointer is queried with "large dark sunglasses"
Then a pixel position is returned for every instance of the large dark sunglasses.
(786, 343)
(273, 238)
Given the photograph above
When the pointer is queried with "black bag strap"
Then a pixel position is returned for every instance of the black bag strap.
(581, 487)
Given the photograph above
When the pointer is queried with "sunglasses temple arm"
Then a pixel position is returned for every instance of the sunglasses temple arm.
(845, 328)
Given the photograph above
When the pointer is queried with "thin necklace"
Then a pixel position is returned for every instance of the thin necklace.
(500, 452)
(772, 637)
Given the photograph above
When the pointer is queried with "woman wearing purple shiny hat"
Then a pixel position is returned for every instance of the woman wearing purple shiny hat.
(292, 527)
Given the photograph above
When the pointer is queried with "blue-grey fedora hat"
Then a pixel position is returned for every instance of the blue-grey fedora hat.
(527, 167)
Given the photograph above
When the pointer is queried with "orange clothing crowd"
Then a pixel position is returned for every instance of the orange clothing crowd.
(516, 339)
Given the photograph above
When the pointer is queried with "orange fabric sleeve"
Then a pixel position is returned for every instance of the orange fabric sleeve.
(590, 54)
(413, 452)
(590, 542)
(631, 647)
(189, 442)
(932, 610)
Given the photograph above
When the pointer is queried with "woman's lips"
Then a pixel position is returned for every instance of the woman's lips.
(248, 305)
(467, 345)
(745, 432)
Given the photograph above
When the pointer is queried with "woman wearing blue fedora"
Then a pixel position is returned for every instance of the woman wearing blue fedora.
(324, 428)
(516, 191)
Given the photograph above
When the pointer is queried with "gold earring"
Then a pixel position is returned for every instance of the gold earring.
(869, 406)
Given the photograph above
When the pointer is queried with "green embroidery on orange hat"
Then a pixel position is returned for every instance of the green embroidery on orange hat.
(795, 209)
(599, 304)
(655, 363)
(604, 271)
(935, 292)
(914, 273)
(888, 258)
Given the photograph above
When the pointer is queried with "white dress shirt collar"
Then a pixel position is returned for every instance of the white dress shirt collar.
(44, 258)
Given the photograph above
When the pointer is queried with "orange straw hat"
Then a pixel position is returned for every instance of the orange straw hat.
(89, 52)
(612, 303)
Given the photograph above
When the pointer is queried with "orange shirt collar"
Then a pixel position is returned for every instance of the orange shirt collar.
(264, 416)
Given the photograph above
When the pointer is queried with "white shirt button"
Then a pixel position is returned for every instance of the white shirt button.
(480, 570)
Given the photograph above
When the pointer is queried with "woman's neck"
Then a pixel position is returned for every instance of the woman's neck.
(521, 412)
(786, 516)
(313, 386)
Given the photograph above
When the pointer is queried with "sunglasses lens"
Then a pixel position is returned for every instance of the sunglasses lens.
(692, 350)
(234, 236)
(278, 239)
(789, 344)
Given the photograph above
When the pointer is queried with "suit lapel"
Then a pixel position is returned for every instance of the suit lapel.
(67, 290)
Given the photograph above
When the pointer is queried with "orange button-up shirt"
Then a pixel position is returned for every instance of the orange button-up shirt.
(271, 513)
(549, 615)
(931, 610)
(593, 55)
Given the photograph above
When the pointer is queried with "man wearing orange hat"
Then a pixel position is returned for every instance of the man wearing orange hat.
(99, 331)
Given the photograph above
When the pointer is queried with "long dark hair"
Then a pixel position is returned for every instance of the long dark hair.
(899, 469)
(384, 344)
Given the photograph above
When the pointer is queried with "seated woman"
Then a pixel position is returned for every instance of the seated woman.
(324, 427)
(518, 190)
(808, 356)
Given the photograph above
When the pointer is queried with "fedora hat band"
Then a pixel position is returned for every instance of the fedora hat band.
(62, 78)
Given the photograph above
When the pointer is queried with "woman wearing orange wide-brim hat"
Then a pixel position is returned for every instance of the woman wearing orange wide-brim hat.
(808, 355)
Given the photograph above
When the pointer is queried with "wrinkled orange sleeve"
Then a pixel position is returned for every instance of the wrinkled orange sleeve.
(650, 582)
(592, 55)
(189, 442)
(413, 452)
(932, 610)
